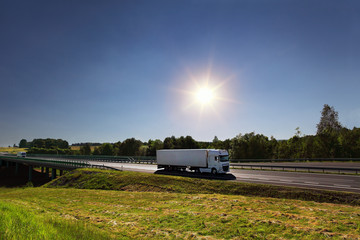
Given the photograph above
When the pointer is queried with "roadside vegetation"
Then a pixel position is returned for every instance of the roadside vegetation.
(158, 207)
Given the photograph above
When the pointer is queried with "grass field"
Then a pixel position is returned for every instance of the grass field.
(12, 150)
(77, 148)
(97, 214)
(149, 206)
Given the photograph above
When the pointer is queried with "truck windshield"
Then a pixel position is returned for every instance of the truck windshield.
(224, 158)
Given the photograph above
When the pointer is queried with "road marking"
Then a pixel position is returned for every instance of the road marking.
(311, 182)
(339, 185)
(283, 180)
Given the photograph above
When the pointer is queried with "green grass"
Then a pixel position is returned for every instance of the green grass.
(162, 215)
(98, 204)
(17, 222)
(135, 181)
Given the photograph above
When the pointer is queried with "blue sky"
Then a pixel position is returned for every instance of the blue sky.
(104, 71)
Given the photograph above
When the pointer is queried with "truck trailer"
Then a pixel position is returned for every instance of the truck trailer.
(198, 160)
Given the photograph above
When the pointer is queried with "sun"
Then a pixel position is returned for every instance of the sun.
(205, 95)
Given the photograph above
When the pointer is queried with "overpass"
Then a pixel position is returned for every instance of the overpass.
(46, 165)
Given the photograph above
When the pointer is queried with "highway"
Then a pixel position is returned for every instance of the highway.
(346, 183)
(337, 182)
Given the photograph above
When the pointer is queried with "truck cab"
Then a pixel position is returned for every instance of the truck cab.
(218, 162)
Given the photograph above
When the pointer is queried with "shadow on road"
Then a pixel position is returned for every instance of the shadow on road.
(228, 176)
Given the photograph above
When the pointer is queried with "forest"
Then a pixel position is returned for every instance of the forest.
(331, 140)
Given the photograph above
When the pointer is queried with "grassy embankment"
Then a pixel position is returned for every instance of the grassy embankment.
(156, 206)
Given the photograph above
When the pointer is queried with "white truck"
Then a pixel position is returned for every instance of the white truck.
(200, 160)
(21, 154)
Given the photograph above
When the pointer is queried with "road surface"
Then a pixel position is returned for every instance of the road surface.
(347, 183)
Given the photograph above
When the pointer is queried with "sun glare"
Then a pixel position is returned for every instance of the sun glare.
(205, 95)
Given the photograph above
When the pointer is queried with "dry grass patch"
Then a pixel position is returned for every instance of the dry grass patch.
(12, 150)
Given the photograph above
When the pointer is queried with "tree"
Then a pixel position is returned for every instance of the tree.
(107, 149)
(169, 142)
(85, 149)
(97, 151)
(250, 146)
(298, 132)
(154, 145)
(329, 121)
(23, 143)
(190, 143)
(130, 147)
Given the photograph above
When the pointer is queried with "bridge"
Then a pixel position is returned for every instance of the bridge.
(47, 165)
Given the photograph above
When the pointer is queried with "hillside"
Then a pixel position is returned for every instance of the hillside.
(135, 181)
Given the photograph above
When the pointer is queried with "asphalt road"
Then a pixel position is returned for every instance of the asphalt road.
(346, 183)
(338, 182)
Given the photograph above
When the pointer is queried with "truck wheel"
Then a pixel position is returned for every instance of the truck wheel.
(213, 171)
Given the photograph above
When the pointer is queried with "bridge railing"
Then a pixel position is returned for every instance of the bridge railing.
(99, 158)
(297, 168)
(61, 163)
(297, 160)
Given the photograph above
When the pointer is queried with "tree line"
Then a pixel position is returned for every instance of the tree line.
(46, 146)
(332, 140)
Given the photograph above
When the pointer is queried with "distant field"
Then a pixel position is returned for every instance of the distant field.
(12, 150)
(77, 148)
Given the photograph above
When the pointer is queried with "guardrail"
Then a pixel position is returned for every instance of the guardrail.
(295, 168)
(296, 160)
(59, 163)
(63, 163)
(152, 160)
(122, 159)
(79, 161)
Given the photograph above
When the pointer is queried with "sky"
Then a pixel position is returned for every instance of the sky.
(105, 71)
